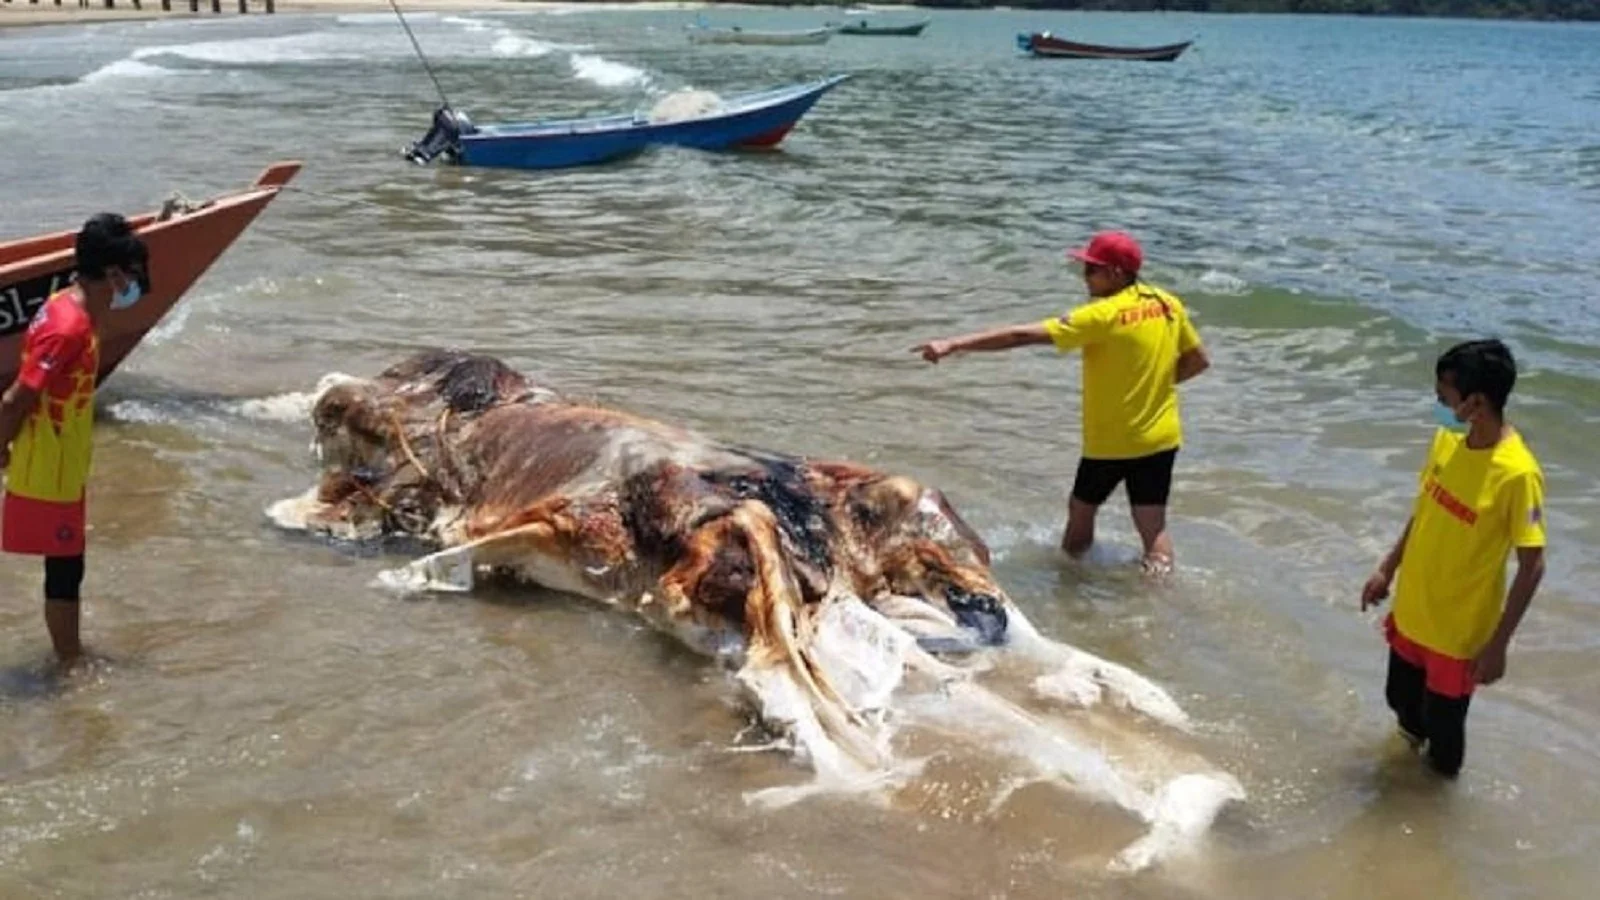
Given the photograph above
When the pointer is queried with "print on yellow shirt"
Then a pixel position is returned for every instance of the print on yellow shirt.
(1472, 508)
(50, 456)
(1131, 342)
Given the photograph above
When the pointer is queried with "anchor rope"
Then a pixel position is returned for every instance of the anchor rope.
(420, 55)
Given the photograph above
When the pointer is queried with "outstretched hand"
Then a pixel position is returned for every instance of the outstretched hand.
(1375, 591)
(933, 351)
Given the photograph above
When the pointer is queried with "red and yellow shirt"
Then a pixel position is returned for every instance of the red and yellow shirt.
(1472, 508)
(1131, 342)
(61, 360)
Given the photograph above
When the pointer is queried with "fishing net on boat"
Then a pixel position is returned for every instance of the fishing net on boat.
(685, 104)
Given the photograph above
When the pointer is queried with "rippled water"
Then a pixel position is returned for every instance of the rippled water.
(1337, 199)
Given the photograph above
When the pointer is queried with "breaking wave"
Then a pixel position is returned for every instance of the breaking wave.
(139, 412)
(383, 18)
(316, 46)
(294, 406)
(606, 73)
(1216, 282)
(130, 67)
(355, 38)
(170, 326)
(511, 44)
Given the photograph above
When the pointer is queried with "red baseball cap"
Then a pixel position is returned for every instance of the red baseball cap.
(1116, 249)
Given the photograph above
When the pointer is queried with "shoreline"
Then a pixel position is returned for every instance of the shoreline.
(26, 15)
(20, 14)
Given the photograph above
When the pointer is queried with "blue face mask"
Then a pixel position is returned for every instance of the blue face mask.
(128, 296)
(1446, 417)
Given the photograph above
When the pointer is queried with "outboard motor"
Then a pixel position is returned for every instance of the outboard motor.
(444, 138)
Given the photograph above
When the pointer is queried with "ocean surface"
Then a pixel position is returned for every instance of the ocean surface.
(1337, 200)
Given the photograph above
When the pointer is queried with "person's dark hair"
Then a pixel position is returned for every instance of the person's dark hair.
(1480, 367)
(105, 241)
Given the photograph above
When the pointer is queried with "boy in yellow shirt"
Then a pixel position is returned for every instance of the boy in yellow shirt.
(1480, 495)
(1138, 345)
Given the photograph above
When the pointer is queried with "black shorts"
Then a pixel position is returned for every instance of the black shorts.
(1149, 479)
(63, 578)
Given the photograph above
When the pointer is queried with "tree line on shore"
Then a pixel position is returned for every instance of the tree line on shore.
(1471, 9)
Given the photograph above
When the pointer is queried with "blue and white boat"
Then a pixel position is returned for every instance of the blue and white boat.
(756, 119)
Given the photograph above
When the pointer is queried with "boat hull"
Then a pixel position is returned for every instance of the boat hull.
(864, 30)
(1046, 46)
(761, 38)
(752, 120)
(181, 247)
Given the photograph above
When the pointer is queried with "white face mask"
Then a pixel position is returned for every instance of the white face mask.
(128, 296)
(1444, 416)
(132, 291)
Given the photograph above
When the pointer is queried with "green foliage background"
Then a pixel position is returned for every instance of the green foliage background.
(1479, 9)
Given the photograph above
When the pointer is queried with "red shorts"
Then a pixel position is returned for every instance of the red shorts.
(40, 527)
(1446, 675)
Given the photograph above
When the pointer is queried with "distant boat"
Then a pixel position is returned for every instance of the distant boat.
(866, 29)
(1044, 44)
(700, 34)
(755, 119)
(183, 241)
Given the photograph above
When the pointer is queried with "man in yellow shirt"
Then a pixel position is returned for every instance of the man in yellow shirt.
(1480, 495)
(1138, 345)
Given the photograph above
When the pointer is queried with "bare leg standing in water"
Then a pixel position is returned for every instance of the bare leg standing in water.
(1138, 345)
(63, 581)
(1148, 482)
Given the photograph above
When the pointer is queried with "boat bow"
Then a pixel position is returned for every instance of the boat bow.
(183, 238)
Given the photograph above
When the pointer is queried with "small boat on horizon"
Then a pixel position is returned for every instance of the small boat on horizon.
(183, 240)
(702, 34)
(1046, 45)
(864, 28)
(757, 119)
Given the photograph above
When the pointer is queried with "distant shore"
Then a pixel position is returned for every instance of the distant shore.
(19, 13)
(22, 13)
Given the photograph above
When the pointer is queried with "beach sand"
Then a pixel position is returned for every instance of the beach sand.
(18, 13)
